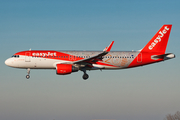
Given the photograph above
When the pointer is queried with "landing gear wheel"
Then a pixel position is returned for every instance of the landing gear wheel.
(85, 76)
(27, 76)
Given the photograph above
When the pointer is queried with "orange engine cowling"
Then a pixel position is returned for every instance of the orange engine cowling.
(64, 69)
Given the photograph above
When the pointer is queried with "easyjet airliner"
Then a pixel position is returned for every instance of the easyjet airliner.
(66, 62)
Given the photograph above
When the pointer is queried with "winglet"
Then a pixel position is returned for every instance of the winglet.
(107, 49)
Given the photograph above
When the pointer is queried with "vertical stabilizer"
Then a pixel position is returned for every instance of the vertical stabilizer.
(159, 42)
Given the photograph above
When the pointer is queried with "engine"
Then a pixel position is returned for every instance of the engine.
(64, 69)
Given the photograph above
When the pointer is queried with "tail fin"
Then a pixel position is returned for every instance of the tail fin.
(159, 42)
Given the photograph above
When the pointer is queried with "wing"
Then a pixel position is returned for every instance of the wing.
(95, 58)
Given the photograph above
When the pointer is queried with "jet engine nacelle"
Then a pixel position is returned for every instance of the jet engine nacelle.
(64, 69)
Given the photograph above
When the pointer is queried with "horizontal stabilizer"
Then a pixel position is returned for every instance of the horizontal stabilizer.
(163, 56)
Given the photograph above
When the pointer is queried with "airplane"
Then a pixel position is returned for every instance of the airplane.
(67, 62)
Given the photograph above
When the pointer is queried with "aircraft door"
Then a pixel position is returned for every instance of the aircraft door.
(139, 58)
(27, 57)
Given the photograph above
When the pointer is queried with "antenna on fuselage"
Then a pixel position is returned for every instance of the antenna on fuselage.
(30, 49)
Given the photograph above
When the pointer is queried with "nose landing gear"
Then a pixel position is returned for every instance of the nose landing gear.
(28, 71)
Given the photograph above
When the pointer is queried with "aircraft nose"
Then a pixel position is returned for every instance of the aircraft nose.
(7, 62)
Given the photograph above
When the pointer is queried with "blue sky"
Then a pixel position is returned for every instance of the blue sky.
(149, 92)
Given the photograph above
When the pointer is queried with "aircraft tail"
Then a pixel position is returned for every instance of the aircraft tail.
(159, 42)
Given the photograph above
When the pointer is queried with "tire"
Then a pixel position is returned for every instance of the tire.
(27, 76)
(85, 76)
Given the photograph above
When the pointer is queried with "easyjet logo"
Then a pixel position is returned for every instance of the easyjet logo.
(44, 54)
(158, 38)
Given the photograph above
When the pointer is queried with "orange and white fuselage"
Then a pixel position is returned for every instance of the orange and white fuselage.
(66, 62)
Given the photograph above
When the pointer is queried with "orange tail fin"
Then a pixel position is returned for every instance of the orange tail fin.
(159, 42)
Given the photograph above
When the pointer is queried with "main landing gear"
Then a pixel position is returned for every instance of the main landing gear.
(28, 71)
(85, 76)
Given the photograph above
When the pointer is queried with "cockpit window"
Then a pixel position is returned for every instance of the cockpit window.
(16, 56)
